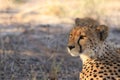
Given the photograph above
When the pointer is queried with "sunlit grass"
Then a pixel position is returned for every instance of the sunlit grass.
(58, 10)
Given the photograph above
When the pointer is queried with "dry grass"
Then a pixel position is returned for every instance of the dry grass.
(26, 57)
(56, 11)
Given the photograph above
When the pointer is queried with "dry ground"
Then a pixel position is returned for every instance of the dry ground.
(38, 53)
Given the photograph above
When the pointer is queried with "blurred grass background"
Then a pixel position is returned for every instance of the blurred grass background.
(57, 11)
(33, 36)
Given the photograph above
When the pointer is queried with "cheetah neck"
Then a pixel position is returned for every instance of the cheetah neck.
(104, 49)
(101, 52)
(85, 56)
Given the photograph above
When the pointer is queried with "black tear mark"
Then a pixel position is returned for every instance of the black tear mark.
(80, 49)
(101, 35)
(79, 45)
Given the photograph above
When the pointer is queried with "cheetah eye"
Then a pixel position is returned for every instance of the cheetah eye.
(82, 36)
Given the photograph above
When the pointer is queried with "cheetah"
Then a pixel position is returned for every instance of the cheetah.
(101, 59)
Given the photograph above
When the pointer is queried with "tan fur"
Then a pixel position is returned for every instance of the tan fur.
(101, 60)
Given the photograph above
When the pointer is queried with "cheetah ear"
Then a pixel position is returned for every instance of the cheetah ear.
(77, 21)
(102, 32)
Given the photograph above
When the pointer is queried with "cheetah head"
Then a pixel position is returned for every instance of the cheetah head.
(85, 37)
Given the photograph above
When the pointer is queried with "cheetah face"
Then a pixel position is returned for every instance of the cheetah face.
(84, 39)
(80, 41)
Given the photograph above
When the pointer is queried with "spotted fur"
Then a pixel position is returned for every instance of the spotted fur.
(101, 59)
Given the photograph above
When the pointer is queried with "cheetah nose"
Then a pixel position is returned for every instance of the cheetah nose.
(71, 47)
